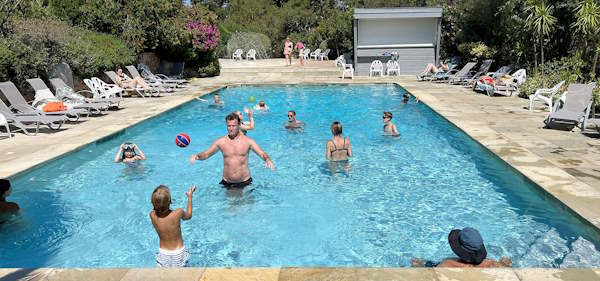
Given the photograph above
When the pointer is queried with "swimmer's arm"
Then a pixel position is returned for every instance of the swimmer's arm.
(251, 117)
(263, 155)
(12, 207)
(394, 130)
(207, 153)
(349, 148)
(188, 211)
(251, 126)
(142, 155)
(328, 151)
(118, 156)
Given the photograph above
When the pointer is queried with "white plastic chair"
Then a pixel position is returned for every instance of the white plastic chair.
(545, 95)
(392, 67)
(251, 54)
(4, 122)
(237, 55)
(306, 54)
(346, 68)
(315, 54)
(376, 67)
(339, 61)
(324, 55)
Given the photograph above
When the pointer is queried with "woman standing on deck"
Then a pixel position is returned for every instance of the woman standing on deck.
(287, 51)
(300, 48)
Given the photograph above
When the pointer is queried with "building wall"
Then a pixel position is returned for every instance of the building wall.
(413, 59)
(397, 31)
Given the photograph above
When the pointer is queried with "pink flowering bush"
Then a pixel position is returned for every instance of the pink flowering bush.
(204, 36)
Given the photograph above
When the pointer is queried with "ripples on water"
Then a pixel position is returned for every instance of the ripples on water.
(396, 199)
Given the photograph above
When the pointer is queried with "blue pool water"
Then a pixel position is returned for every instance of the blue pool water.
(398, 200)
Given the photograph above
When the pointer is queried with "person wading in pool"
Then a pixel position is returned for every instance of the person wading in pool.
(389, 129)
(235, 148)
(467, 244)
(292, 123)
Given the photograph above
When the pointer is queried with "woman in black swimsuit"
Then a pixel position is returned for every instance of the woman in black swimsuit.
(338, 149)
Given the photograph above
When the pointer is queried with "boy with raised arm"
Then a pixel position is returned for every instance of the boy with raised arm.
(171, 252)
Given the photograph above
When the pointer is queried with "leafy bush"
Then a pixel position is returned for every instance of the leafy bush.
(249, 40)
(19, 61)
(569, 69)
(473, 51)
(226, 30)
(90, 53)
(38, 44)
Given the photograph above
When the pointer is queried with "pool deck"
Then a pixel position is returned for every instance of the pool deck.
(301, 274)
(565, 164)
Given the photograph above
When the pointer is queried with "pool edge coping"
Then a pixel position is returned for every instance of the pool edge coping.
(300, 273)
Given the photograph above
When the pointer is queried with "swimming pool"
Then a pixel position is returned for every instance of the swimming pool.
(397, 200)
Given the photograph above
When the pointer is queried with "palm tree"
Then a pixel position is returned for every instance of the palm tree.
(588, 23)
(542, 21)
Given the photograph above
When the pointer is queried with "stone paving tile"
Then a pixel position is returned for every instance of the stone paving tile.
(86, 274)
(164, 274)
(29, 274)
(547, 274)
(235, 274)
(395, 274)
(488, 274)
(318, 274)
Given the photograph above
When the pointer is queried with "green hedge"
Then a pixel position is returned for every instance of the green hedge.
(38, 44)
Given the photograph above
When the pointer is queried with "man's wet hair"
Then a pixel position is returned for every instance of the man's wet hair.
(233, 116)
(293, 112)
(388, 114)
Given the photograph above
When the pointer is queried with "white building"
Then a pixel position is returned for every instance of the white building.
(412, 32)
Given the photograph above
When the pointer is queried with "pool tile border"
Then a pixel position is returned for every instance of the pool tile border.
(302, 274)
(576, 195)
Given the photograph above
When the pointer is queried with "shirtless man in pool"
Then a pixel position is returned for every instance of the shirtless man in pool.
(235, 148)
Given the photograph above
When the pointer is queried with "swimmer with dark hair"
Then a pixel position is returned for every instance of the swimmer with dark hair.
(127, 153)
(292, 123)
(389, 129)
(5, 191)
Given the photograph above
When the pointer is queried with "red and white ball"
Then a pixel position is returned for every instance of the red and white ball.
(182, 140)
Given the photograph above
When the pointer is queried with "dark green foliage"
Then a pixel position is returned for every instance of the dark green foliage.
(66, 10)
(38, 44)
(102, 16)
(570, 69)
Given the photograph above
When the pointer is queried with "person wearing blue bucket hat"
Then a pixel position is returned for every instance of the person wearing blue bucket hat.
(468, 245)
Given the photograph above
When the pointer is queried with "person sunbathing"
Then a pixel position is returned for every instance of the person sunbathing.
(432, 69)
(128, 83)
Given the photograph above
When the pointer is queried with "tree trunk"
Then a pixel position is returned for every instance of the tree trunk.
(535, 56)
(594, 62)
(542, 51)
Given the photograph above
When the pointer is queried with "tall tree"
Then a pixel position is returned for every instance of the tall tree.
(588, 23)
(542, 21)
